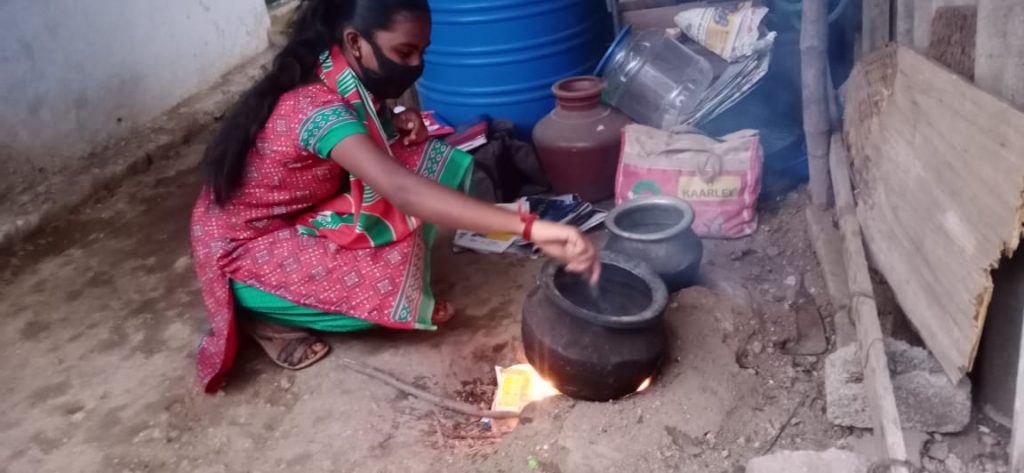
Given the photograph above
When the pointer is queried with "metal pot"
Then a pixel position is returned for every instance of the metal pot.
(658, 231)
(596, 345)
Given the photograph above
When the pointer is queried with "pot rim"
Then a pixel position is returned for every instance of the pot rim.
(654, 310)
(591, 86)
(611, 222)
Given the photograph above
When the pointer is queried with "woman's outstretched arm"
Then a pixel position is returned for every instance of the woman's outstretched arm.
(437, 204)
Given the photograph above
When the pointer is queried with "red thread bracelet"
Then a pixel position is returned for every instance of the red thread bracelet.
(527, 218)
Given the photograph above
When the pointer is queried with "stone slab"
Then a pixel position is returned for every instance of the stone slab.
(832, 461)
(925, 397)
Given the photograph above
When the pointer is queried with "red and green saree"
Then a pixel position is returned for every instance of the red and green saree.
(303, 230)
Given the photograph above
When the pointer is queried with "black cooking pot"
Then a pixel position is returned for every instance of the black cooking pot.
(596, 345)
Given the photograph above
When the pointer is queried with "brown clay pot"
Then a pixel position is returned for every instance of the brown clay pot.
(579, 141)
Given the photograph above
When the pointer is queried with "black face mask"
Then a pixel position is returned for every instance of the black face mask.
(391, 79)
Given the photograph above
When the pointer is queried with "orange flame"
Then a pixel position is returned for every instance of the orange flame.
(539, 388)
(519, 385)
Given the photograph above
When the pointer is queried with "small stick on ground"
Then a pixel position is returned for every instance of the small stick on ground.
(451, 405)
(437, 429)
(474, 437)
(785, 425)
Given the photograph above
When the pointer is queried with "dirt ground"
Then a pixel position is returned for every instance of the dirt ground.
(102, 316)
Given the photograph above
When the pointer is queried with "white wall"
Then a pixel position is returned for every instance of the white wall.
(76, 73)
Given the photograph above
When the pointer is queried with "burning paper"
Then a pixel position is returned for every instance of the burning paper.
(519, 385)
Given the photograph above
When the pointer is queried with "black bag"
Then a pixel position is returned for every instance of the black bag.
(506, 168)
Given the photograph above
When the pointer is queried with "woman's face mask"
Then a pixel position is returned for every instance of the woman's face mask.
(391, 79)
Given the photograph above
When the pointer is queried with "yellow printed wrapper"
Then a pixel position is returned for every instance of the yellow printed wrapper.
(518, 386)
(731, 30)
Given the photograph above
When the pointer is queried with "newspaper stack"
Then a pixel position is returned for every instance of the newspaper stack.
(568, 209)
(738, 79)
(733, 31)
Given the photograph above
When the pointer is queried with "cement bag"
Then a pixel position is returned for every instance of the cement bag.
(720, 178)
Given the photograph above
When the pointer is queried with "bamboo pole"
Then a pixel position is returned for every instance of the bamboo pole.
(876, 28)
(864, 312)
(814, 78)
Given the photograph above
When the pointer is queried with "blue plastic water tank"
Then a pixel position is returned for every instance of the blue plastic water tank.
(499, 58)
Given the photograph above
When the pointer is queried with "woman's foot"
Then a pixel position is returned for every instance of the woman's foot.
(289, 348)
(443, 312)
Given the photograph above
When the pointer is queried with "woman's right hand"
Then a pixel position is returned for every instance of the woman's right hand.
(568, 245)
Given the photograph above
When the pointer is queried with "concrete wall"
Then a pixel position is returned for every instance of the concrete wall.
(75, 74)
(999, 66)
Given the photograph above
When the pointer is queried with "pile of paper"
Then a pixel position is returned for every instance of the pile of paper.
(736, 81)
(567, 209)
(733, 31)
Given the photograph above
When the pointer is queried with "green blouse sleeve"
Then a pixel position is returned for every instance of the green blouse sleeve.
(327, 126)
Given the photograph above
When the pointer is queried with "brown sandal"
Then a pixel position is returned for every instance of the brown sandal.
(270, 336)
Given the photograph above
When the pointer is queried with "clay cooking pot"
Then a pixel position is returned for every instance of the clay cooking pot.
(578, 143)
(596, 345)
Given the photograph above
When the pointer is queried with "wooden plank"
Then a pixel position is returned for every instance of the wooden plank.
(864, 312)
(814, 78)
(939, 171)
(651, 18)
(630, 5)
